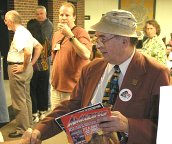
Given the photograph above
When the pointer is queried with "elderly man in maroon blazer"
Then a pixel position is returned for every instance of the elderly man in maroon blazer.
(135, 110)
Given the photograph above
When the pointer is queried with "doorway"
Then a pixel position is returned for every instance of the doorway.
(4, 38)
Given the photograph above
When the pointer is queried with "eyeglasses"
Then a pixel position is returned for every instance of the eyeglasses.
(104, 39)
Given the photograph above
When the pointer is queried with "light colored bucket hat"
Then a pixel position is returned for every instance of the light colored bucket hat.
(118, 22)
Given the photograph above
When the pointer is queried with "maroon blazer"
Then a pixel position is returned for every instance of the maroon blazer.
(143, 77)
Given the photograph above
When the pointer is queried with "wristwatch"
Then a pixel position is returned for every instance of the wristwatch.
(71, 38)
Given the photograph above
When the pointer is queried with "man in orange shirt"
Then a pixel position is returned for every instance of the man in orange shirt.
(74, 49)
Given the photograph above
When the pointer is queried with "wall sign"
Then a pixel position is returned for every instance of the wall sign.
(87, 17)
(143, 10)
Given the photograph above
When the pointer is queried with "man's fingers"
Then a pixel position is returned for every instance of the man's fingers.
(27, 133)
(35, 138)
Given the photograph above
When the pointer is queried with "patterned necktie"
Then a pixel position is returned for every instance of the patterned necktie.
(109, 98)
(112, 89)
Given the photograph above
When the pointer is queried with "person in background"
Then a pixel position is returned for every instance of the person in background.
(170, 41)
(41, 29)
(74, 47)
(134, 113)
(169, 55)
(169, 45)
(4, 115)
(95, 52)
(153, 45)
(20, 71)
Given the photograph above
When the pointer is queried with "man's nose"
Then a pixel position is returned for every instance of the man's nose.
(64, 17)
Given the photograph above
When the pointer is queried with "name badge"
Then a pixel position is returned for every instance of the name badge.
(57, 46)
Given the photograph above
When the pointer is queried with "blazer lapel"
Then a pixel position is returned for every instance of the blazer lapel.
(132, 80)
(94, 77)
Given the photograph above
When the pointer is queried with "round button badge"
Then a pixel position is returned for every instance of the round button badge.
(125, 95)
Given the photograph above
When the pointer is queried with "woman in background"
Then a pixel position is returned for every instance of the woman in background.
(153, 45)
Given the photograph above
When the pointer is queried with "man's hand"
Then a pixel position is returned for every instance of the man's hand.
(26, 136)
(17, 68)
(115, 123)
(65, 30)
(34, 138)
(36, 135)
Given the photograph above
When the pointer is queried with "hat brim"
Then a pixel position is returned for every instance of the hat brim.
(116, 29)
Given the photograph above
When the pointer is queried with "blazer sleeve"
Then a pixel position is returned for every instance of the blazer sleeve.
(48, 127)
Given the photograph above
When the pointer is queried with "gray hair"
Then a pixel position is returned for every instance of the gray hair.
(41, 7)
(14, 17)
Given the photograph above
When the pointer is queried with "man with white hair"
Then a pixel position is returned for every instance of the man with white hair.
(20, 71)
(134, 117)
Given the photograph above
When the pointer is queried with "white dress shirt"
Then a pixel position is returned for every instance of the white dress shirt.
(22, 39)
(109, 70)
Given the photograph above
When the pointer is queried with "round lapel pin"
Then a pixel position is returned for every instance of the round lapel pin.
(125, 95)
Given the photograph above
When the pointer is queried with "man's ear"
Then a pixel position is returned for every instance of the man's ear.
(125, 41)
(74, 18)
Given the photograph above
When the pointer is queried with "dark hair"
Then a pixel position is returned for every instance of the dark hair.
(68, 4)
(133, 41)
(155, 24)
(35, 29)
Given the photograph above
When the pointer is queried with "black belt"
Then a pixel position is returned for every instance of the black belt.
(12, 63)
